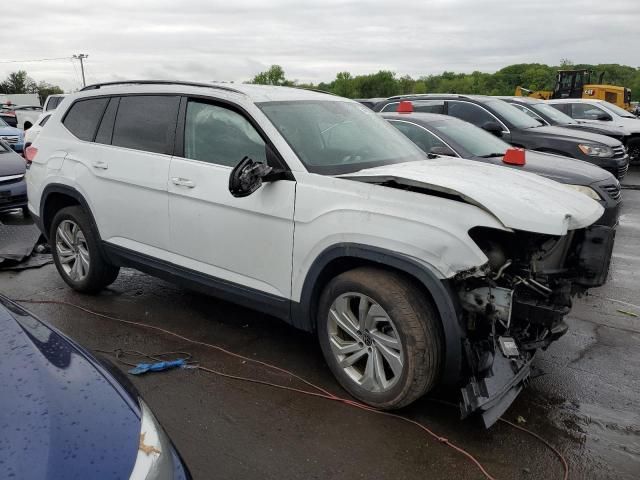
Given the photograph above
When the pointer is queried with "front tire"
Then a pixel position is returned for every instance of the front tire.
(77, 253)
(380, 336)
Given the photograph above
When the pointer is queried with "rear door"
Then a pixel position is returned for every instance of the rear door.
(123, 166)
(246, 241)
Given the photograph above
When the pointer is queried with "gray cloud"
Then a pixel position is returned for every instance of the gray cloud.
(210, 40)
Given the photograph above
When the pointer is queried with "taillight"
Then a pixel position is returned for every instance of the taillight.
(29, 154)
(514, 156)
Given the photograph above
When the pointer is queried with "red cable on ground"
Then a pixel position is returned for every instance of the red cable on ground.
(320, 393)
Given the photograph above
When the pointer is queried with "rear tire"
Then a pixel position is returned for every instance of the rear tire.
(380, 336)
(77, 253)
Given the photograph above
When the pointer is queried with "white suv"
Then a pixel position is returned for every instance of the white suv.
(307, 206)
(601, 112)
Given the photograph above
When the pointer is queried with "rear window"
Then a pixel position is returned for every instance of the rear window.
(146, 123)
(53, 103)
(83, 117)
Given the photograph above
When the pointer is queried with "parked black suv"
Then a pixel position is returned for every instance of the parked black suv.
(444, 135)
(547, 115)
(519, 129)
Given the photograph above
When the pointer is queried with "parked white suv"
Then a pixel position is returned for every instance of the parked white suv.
(605, 113)
(307, 206)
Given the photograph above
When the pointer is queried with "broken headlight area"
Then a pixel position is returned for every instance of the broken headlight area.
(516, 304)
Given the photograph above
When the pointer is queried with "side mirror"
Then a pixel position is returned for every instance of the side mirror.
(441, 150)
(248, 176)
(493, 127)
(605, 117)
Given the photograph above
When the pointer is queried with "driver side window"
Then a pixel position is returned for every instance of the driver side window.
(219, 135)
(585, 111)
(470, 113)
(421, 137)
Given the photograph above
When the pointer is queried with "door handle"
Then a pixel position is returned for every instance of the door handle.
(101, 165)
(183, 182)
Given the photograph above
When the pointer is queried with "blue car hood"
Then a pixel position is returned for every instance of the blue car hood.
(60, 416)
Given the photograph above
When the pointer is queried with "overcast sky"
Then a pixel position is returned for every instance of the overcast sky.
(204, 40)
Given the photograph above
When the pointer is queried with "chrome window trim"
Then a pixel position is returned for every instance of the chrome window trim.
(429, 132)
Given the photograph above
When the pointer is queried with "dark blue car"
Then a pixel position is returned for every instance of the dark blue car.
(64, 416)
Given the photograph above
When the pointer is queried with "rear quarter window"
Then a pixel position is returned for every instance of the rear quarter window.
(83, 117)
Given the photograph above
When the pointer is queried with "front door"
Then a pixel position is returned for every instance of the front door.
(246, 241)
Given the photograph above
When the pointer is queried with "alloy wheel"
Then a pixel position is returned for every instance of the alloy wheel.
(72, 250)
(365, 342)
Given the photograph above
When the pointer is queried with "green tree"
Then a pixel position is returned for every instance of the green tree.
(18, 82)
(273, 76)
(45, 89)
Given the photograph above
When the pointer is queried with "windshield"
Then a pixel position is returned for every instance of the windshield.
(334, 137)
(617, 110)
(476, 141)
(511, 114)
(3, 123)
(553, 113)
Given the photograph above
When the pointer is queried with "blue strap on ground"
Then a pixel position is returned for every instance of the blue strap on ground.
(157, 367)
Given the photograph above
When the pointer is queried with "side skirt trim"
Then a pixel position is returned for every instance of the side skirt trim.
(217, 287)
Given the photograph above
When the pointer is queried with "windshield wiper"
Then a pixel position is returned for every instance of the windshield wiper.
(489, 155)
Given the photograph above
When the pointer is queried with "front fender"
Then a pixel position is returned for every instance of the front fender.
(446, 303)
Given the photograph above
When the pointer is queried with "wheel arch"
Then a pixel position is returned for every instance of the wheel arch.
(56, 197)
(345, 256)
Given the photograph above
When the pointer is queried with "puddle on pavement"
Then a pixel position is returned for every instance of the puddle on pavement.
(610, 437)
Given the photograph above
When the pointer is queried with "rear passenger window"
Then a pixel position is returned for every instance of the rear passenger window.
(146, 123)
(218, 135)
(430, 106)
(83, 117)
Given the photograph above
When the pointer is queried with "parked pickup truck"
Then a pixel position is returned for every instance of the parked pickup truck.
(25, 115)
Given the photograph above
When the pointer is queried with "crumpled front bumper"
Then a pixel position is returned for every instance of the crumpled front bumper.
(492, 395)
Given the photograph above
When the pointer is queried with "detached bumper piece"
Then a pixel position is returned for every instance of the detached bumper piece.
(492, 395)
(594, 257)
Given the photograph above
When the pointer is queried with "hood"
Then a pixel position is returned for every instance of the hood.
(520, 200)
(558, 168)
(58, 412)
(11, 163)
(575, 134)
(604, 129)
(630, 124)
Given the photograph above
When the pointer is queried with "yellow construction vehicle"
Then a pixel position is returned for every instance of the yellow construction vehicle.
(577, 84)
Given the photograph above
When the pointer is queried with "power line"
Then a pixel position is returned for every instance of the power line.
(38, 60)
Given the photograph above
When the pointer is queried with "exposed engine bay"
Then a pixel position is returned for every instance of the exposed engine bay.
(515, 304)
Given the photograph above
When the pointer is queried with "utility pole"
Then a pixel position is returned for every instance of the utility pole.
(81, 57)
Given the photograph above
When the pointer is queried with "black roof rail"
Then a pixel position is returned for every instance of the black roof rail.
(427, 95)
(97, 86)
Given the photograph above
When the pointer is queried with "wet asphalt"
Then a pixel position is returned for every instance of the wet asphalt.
(584, 397)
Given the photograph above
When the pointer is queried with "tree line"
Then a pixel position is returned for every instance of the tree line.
(20, 82)
(385, 83)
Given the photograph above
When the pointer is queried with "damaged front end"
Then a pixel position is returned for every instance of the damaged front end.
(515, 304)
